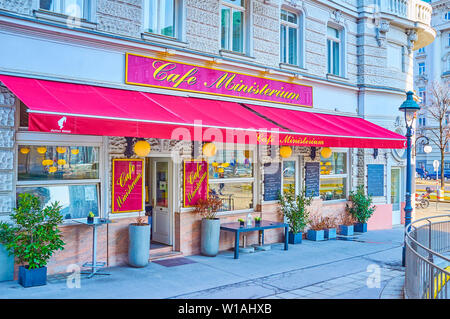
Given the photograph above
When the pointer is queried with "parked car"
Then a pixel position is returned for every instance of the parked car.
(432, 175)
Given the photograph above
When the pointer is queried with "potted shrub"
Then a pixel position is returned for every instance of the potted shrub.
(294, 208)
(330, 227)
(241, 222)
(139, 242)
(317, 226)
(346, 225)
(361, 208)
(210, 228)
(90, 218)
(257, 221)
(33, 237)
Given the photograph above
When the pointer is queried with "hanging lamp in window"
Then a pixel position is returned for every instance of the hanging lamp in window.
(326, 152)
(209, 149)
(142, 148)
(285, 151)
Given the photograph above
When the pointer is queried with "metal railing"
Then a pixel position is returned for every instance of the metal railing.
(427, 273)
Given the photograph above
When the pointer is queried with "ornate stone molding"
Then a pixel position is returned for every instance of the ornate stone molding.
(337, 16)
(412, 37)
(381, 30)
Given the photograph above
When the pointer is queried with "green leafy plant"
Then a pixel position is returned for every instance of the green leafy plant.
(91, 214)
(361, 207)
(240, 220)
(294, 208)
(34, 235)
(257, 219)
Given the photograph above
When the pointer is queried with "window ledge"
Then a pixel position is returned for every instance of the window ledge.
(291, 67)
(160, 39)
(234, 55)
(63, 19)
(336, 77)
(333, 201)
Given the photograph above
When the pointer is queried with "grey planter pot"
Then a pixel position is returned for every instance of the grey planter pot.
(210, 237)
(6, 265)
(139, 245)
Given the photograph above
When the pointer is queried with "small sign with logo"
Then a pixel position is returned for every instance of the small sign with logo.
(128, 186)
(195, 182)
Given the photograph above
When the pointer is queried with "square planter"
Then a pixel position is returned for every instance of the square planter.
(6, 265)
(360, 227)
(295, 238)
(32, 277)
(316, 235)
(346, 230)
(330, 233)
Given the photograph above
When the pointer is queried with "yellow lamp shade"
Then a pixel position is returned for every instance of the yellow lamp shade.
(285, 151)
(61, 162)
(142, 148)
(209, 149)
(75, 151)
(61, 150)
(47, 162)
(326, 152)
(41, 150)
(24, 150)
(52, 169)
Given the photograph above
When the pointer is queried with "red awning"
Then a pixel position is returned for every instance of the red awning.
(68, 108)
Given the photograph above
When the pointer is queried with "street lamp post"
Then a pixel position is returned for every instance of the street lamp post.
(409, 107)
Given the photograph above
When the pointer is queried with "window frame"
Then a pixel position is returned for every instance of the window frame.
(346, 176)
(298, 26)
(147, 20)
(87, 14)
(48, 139)
(233, 7)
(339, 40)
(422, 68)
(253, 179)
(296, 176)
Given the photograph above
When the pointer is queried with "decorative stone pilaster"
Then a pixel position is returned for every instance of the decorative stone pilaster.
(7, 110)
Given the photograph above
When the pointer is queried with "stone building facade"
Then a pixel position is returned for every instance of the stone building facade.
(375, 68)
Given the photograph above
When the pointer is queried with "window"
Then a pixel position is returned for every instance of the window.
(421, 50)
(159, 17)
(448, 39)
(334, 50)
(76, 8)
(232, 25)
(289, 38)
(231, 178)
(423, 95)
(422, 120)
(447, 16)
(68, 174)
(333, 176)
(289, 176)
(421, 68)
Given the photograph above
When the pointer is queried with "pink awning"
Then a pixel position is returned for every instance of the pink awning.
(68, 108)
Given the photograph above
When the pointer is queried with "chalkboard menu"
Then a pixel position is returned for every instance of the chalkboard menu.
(272, 181)
(375, 179)
(312, 178)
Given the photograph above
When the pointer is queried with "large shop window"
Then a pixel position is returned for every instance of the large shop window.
(68, 174)
(231, 178)
(160, 17)
(232, 25)
(289, 175)
(76, 8)
(333, 176)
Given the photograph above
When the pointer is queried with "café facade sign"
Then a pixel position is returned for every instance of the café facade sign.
(127, 185)
(160, 73)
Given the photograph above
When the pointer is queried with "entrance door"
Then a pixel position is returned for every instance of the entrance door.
(162, 199)
(395, 195)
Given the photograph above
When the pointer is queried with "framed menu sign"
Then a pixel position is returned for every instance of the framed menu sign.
(312, 178)
(272, 181)
(127, 185)
(375, 179)
(195, 185)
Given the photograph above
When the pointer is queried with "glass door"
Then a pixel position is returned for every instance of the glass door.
(395, 195)
(161, 220)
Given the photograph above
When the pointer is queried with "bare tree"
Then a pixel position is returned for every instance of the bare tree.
(438, 110)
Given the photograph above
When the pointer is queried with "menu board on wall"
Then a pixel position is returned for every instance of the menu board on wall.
(272, 181)
(127, 185)
(375, 179)
(312, 178)
(195, 184)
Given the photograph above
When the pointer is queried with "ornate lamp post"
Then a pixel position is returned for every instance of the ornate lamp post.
(409, 107)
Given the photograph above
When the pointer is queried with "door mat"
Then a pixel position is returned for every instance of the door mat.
(172, 262)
